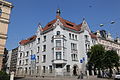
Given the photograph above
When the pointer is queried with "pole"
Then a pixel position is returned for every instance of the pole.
(12, 76)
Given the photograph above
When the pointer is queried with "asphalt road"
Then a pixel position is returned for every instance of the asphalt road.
(62, 78)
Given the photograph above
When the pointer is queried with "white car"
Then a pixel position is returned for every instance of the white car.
(117, 76)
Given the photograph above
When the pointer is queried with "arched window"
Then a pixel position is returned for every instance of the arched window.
(0, 12)
(58, 32)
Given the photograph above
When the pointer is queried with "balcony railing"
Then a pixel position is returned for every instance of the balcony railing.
(61, 61)
(58, 36)
(58, 48)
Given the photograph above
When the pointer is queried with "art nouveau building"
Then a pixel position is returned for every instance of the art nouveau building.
(107, 41)
(60, 48)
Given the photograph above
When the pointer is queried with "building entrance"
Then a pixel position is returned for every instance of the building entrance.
(75, 70)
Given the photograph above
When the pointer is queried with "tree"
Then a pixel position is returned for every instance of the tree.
(111, 59)
(96, 55)
(4, 75)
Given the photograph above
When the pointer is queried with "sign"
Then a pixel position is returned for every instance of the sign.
(33, 57)
(83, 58)
(81, 61)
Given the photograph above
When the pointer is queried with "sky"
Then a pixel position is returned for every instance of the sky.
(26, 14)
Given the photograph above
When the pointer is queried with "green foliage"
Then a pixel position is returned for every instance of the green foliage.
(4, 75)
(96, 56)
(111, 59)
(102, 59)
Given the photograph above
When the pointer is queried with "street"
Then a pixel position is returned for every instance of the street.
(62, 78)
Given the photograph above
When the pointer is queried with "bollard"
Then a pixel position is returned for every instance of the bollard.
(12, 76)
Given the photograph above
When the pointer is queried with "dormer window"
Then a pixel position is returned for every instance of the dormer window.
(69, 24)
(58, 32)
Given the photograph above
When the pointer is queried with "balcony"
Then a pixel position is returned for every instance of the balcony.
(60, 61)
(74, 51)
(58, 37)
(58, 48)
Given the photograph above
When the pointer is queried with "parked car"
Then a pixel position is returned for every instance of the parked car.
(117, 76)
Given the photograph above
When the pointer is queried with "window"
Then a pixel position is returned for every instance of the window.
(20, 55)
(26, 70)
(74, 57)
(58, 65)
(70, 35)
(27, 53)
(58, 43)
(75, 37)
(44, 38)
(58, 32)
(38, 49)
(38, 40)
(68, 68)
(26, 61)
(58, 55)
(50, 69)
(86, 37)
(44, 58)
(43, 69)
(69, 24)
(20, 62)
(73, 46)
(44, 47)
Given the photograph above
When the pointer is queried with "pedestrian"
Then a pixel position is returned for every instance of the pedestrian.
(81, 75)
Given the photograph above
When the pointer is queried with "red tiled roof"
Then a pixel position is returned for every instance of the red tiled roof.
(93, 36)
(49, 25)
(22, 42)
(65, 23)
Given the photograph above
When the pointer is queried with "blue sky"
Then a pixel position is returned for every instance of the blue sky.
(26, 15)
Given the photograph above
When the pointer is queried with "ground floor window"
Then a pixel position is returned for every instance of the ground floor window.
(37, 68)
(26, 70)
(58, 65)
(43, 69)
(68, 68)
(50, 69)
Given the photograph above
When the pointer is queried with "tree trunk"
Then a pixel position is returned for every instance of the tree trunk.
(110, 72)
(99, 74)
(117, 69)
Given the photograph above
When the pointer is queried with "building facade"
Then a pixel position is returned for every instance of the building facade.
(107, 41)
(5, 10)
(60, 48)
(5, 58)
(13, 61)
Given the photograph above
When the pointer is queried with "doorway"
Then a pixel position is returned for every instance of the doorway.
(75, 70)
